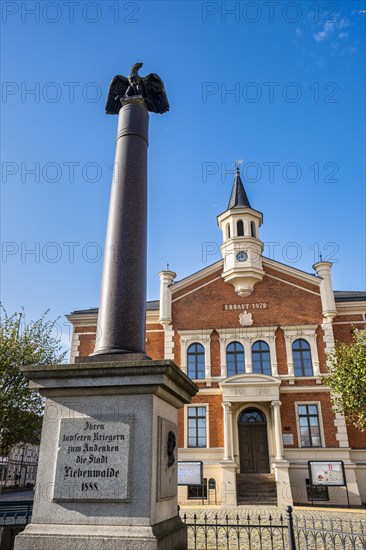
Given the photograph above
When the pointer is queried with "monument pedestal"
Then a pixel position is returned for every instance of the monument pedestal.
(107, 474)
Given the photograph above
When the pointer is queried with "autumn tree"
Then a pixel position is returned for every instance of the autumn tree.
(347, 379)
(23, 342)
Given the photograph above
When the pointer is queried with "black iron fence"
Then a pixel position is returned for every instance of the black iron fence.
(320, 534)
(14, 516)
(258, 532)
(269, 533)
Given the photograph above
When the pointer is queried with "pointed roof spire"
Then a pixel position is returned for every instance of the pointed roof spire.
(238, 197)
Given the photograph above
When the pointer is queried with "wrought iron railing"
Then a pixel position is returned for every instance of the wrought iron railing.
(273, 533)
(319, 534)
(11, 524)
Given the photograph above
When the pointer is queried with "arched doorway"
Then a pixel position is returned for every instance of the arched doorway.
(253, 442)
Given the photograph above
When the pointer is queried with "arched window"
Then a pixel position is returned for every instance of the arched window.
(228, 231)
(196, 361)
(250, 416)
(302, 358)
(240, 228)
(235, 359)
(261, 358)
(252, 229)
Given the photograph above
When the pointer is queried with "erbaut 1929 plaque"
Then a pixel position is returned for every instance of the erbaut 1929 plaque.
(93, 460)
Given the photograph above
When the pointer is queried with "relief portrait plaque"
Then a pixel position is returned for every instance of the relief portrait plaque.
(93, 460)
(167, 461)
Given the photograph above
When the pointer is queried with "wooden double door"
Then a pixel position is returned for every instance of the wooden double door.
(253, 448)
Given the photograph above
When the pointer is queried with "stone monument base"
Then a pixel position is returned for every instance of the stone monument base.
(107, 473)
(167, 535)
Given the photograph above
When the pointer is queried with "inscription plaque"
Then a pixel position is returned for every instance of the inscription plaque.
(93, 460)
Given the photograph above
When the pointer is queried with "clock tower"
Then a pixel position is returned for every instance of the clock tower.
(241, 246)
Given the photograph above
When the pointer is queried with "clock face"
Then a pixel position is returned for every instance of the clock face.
(241, 256)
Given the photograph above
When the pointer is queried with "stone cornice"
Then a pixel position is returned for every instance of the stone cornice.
(350, 308)
(82, 319)
(91, 319)
(304, 389)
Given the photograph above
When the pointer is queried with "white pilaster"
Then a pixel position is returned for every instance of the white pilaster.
(168, 342)
(228, 439)
(75, 346)
(183, 354)
(248, 355)
(329, 312)
(223, 356)
(277, 430)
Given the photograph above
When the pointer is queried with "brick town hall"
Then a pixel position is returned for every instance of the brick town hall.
(254, 335)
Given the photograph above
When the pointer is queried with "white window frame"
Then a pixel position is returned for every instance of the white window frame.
(246, 336)
(320, 417)
(308, 333)
(206, 406)
(203, 337)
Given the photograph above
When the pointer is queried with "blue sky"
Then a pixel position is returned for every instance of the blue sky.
(278, 84)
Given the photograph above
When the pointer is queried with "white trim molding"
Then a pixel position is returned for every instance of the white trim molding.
(308, 333)
(199, 336)
(246, 336)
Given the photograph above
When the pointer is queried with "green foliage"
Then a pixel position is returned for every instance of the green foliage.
(347, 379)
(23, 343)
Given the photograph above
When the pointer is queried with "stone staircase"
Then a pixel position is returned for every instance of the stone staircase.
(256, 489)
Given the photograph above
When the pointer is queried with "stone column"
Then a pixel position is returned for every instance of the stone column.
(228, 440)
(122, 310)
(277, 430)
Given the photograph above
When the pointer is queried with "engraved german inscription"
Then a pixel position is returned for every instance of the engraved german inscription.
(93, 460)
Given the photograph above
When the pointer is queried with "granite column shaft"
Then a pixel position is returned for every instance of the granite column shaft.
(122, 310)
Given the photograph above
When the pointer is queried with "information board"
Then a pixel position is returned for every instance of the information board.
(329, 473)
(190, 473)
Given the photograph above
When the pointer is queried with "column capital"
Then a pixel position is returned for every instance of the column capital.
(226, 405)
(276, 404)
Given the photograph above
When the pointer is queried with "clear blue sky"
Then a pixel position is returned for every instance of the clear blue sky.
(295, 114)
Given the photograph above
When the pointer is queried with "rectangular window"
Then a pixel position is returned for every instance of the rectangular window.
(309, 426)
(198, 491)
(197, 426)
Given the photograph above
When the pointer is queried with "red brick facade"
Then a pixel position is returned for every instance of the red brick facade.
(285, 306)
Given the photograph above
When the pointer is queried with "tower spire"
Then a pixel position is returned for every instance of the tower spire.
(238, 198)
(241, 247)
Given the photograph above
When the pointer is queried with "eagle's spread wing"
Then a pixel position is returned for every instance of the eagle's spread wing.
(117, 87)
(154, 94)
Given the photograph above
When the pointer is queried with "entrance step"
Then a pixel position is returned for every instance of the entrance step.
(256, 489)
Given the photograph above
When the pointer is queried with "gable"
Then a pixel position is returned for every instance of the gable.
(280, 299)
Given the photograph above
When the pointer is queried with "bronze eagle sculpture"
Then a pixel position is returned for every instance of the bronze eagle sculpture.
(150, 88)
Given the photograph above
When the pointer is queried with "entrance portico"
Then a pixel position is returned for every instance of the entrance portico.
(253, 433)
